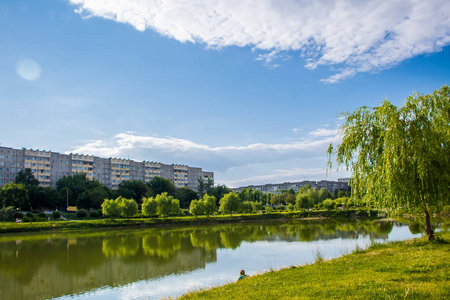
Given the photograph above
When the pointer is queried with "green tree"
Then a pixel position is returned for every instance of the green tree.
(149, 207)
(185, 195)
(27, 178)
(134, 189)
(16, 195)
(204, 185)
(128, 207)
(257, 207)
(197, 207)
(159, 185)
(229, 203)
(219, 191)
(400, 156)
(210, 204)
(111, 208)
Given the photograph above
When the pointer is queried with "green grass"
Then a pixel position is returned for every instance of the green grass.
(12, 227)
(413, 269)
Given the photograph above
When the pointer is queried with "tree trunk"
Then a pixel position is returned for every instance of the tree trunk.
(428, 230)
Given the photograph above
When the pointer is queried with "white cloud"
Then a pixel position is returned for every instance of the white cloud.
(354, 36)
(232, 164)
(324, 132)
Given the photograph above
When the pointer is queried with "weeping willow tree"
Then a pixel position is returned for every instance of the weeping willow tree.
(399, 156)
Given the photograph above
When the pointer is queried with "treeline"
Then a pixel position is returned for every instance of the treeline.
(26, 194)
(159, 197)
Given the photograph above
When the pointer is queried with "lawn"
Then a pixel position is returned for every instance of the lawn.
(414, 269)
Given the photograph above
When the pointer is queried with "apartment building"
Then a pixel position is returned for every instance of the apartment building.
(48, 167)
(331, 186)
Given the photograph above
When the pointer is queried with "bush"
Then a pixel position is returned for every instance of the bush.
(18, 215)
(56, 214)
(7, 213)
(42, 215)
(82, 213)
(94, 214)
(29, 217)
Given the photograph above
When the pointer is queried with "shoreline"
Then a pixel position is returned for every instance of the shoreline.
(73, 225)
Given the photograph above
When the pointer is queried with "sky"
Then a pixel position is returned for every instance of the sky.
(251, 90)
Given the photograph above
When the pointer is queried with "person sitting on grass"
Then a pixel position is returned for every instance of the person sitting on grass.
(242, 275)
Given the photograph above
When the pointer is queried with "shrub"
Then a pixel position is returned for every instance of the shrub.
(42, 215)
(7, 213)
(18, 215)
(56, 214)
(29, 217)
(94, 214)
(82, 213)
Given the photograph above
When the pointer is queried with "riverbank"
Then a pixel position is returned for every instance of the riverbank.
(9, 227)
(414, 269)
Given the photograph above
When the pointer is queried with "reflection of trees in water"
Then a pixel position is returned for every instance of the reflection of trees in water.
(119, 257)
(162, 245)
(120, 246)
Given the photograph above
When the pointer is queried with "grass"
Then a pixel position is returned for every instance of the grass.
(12, 227)
(414, 269)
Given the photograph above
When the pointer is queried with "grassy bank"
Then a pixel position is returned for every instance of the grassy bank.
(10, 227)
(413, 269)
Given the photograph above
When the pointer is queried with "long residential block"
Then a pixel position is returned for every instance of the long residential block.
(277, 188)
(48, 167)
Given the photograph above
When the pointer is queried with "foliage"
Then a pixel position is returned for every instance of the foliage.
(204, 185)
(400, 156)
(185, 195)
(197, 207)
(229, 203)
(42, 214)
(94, 214)
(26, 177)
(149, 207)
(245, 207)
(268, 209)
(256, 206)
(210, 204)
(15, 194)
(111, 208)
(159, 185)
(82, 213)
(7, 213)
(56, 214)
(219, 191)
(134, 189)
(329, 204)
(128, 207)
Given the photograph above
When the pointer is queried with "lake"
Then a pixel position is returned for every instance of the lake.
(161, 262)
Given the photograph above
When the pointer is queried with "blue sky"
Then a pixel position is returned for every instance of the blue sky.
(249, 89)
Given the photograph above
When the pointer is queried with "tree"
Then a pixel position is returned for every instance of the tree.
(149, 207)
(111, 208)
(229, 203)
(26, 177)
(210, 204)
(159, 185)
(134, 189)
(197, 207)
(219, 191)
(400, 156)
(204, 185)
(185, 195)
(128, 207)
(16, 195)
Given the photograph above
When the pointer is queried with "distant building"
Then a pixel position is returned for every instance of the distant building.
(49, 166)
(331, 186)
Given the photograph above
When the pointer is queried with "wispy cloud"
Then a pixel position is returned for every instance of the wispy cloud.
(232, 164)
(348, 35)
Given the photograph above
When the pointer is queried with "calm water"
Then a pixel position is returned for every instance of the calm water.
(162, 262)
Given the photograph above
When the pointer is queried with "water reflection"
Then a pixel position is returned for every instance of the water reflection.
(46, 266)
